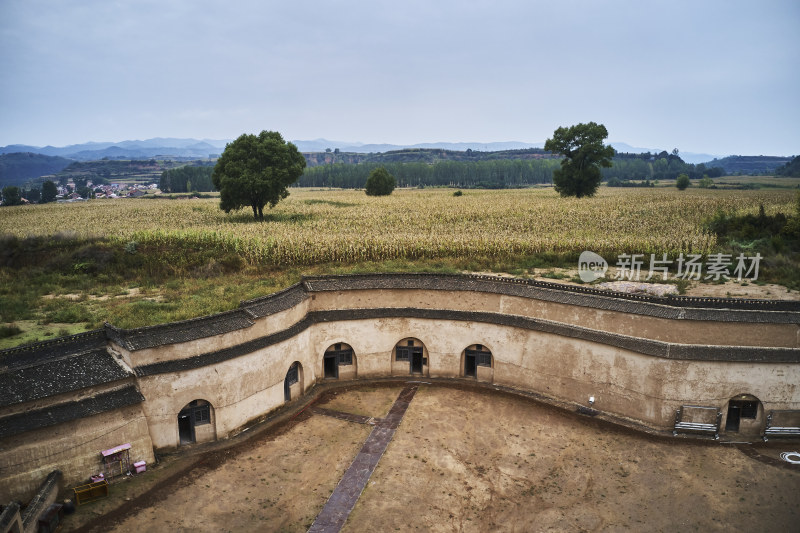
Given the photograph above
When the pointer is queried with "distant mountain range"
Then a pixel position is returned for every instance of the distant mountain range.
(158, 147)
(201, 149)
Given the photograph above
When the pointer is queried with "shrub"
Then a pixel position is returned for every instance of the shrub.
(9, 331)
(380, 183)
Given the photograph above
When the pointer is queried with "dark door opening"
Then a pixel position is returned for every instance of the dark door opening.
(734, 414)
(416, 361)
(292, 377)
(470, 366)
(331, 366)
(185, 427)
(738, 409)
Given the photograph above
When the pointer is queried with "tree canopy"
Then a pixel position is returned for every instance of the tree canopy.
(790, 169)
(380, 183)
(682, 182)
(11, 195)
(187, 179)
(49, 192)
(584, 154)
(256, 170)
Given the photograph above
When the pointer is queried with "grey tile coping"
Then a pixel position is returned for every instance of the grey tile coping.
(66, 412)
(55, 376)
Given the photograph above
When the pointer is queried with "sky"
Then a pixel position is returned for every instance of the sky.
(718, 77)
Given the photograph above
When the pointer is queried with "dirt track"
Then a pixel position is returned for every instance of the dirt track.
(466, 459)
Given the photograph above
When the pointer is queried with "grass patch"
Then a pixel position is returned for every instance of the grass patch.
(158, 284)
(32, 331)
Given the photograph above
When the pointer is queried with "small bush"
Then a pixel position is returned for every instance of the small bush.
(9, 331)
(458, 193)
(380, 183)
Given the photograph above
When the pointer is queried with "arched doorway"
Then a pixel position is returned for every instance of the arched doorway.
(196, 423)
(293, 382)
(410, 357)
(744, 415)
(339, 362)
(477, 363)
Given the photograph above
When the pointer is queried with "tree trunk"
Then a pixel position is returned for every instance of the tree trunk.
(255, 211)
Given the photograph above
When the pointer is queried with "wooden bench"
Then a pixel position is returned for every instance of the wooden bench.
(709, 428)
(781, 431)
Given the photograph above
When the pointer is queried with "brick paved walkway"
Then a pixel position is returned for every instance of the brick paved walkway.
(344, 497)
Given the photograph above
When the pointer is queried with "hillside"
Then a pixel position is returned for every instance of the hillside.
(18, 168)
(139, 171)
(749, 164)
(421, 155)
(790, 169)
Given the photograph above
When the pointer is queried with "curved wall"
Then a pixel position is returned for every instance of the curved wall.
(641, 358)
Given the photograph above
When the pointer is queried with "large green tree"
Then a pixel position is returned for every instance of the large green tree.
(380, 183)
(256, 170)
(12, 195)
(49, 192)
(584, 154)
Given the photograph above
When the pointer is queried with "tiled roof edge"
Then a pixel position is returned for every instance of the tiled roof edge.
(192, 329)
(65, 412)
(77, 343)
(275, 302)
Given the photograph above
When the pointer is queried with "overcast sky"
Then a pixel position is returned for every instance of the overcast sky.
(720, 77)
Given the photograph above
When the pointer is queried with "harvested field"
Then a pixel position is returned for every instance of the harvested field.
(470, 459)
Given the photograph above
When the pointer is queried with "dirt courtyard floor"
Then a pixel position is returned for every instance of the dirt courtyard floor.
(468, 459)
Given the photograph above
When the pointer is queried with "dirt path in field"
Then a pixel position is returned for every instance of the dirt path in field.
(472, 459)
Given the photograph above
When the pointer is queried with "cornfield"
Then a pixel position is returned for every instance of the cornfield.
(321, 226)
